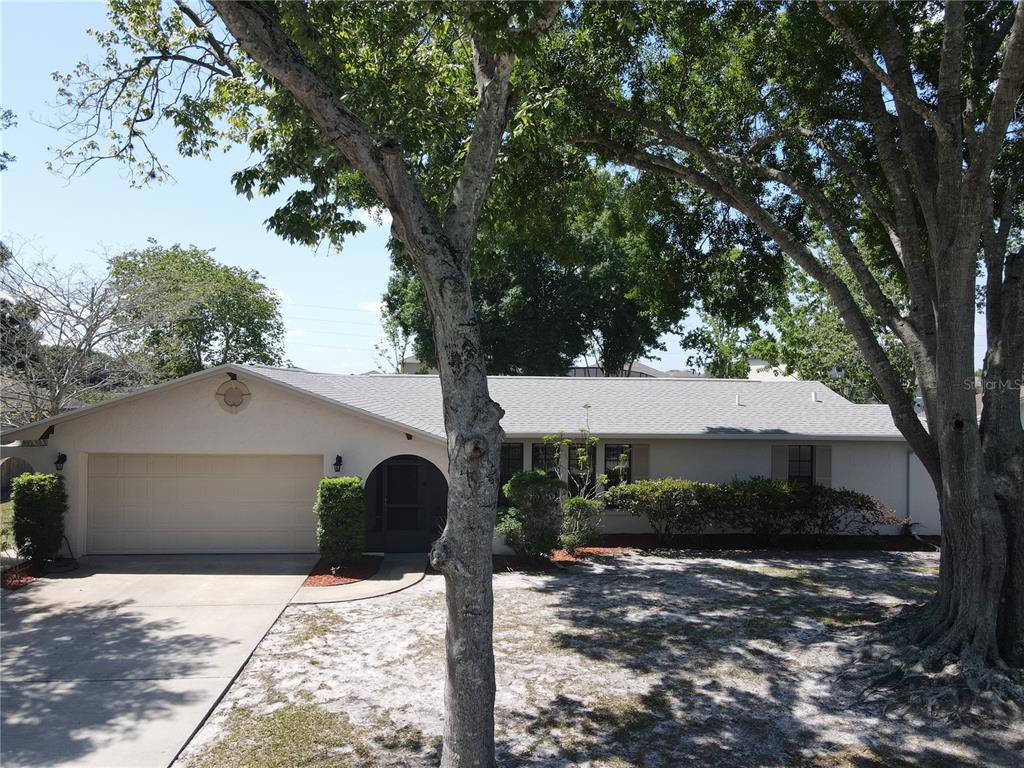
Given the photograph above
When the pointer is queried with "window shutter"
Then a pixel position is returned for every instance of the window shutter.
(823, 465)
(780, 462)
(640, 457)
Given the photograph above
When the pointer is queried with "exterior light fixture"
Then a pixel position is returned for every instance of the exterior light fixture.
(59, 463)
(337, 463)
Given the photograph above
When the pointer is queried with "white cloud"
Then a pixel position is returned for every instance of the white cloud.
(371, 306)
(317, 349)
(296, 332)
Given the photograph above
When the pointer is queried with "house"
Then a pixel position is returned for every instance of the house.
(228, 459)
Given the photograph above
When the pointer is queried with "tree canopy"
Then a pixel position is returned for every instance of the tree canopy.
(221, 314)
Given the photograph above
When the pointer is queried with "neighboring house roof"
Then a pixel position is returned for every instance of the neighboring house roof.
(614, 407)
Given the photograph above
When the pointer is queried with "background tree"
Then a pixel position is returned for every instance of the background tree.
(222, 314)
(887, 126)
(404, 106)
(7, 120)
(65, 337)
(813, 342)
(602, 271)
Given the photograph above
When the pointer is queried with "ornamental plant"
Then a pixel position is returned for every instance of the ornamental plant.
(340, 519)
(40, 504)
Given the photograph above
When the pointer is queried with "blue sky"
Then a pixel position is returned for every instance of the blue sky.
(329, 300)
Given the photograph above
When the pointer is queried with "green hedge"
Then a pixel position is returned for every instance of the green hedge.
(761, 506)
(38, 520)
(532, 523)
(340, 519)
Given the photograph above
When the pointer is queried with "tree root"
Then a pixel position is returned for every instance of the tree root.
(944, 678)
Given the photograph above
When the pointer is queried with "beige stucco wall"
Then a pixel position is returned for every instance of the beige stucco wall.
(187, 419)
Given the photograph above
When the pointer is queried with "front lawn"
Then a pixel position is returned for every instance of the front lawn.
(629, 660)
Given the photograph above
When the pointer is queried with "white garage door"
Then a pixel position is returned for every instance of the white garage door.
(166, 503)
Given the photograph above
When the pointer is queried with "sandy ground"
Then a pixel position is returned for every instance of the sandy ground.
(633, 660)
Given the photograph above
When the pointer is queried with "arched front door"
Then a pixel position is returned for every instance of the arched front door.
(407, 501)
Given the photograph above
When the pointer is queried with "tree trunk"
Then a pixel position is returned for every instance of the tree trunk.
(463, 552)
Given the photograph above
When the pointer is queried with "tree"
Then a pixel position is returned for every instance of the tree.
(624, 267)
(222, 314)
(887, 126)
(813, 342)
(403, 106)
(722, 348)
(7, 120)
(66, 337)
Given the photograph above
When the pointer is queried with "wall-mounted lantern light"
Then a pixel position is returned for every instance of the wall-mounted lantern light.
(337, 463)
(59, 463)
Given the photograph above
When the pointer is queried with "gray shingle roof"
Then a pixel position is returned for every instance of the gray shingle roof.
(616, 407)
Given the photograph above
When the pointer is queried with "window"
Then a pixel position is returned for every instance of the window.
(545, 457)
(801, 464)
(511, 464)
(582, 464)
(618, 464)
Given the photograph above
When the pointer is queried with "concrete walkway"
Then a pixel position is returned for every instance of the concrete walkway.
(116, 664)
(396, 573)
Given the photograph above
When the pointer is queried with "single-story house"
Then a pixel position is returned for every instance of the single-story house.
(228, 459)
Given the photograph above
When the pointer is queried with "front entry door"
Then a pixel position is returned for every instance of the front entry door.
(406, 496)
(402, 510)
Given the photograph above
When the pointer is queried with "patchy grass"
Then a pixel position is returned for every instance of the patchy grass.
(635, 659)
(6, 513)
(290, 735)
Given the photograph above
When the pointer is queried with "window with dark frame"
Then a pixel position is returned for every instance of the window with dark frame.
(582, 481)
(511, 464)
(545, 457)
(618, 464)
(801, 464)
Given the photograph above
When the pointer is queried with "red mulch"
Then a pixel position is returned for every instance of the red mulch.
(363, 568)
(558, 559)
(18, 576)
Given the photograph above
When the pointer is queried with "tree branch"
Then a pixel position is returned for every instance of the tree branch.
(899, 91)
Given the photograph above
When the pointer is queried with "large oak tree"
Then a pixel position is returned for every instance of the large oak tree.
(895, 130)
(399, 105)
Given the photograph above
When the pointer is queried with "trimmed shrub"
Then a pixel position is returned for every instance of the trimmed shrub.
(40, 504)
(340, 519)
(532, 524)
(759, 505)
(671, 506)
(840, 510)
(763, 506)
(581, 523)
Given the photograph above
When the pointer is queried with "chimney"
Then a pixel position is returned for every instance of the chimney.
(814, 397)
(738, 400)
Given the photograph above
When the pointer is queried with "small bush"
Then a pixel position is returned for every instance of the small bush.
(840, 510)
(763, 506)
(532, 524)
(40, 504)
(340, 519)
(671, 506)
(581, 523)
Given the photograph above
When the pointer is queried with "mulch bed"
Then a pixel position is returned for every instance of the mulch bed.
(559, 559)
(18, 576)
(358, 570)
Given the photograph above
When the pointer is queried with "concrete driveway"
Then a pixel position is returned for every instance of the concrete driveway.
(117, 663)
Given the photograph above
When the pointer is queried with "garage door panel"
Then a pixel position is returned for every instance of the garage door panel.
(163, 503)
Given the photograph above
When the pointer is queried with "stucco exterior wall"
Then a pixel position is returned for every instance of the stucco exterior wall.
(187, 419)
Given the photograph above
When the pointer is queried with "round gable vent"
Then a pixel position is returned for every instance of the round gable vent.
(233, 396)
